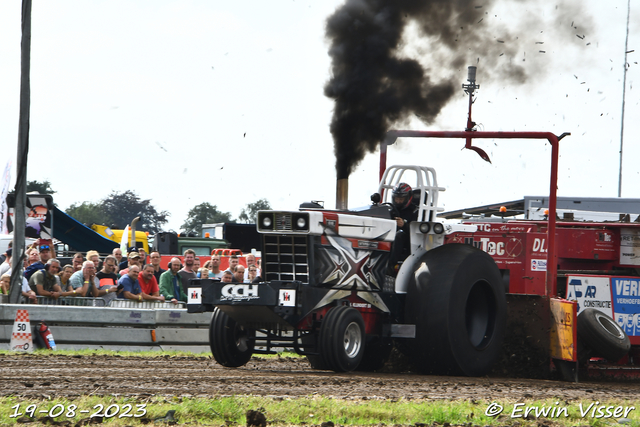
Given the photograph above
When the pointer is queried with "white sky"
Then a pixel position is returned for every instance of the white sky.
(157, 96)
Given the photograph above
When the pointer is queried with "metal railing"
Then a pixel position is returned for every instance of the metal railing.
(128, 303)
(75, 301)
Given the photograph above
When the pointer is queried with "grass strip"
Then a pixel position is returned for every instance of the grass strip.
(315, 410)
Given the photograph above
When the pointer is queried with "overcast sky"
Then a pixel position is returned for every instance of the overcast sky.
(187, 102)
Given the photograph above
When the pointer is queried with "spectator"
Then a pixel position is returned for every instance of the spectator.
(85, 280)
(143, 256)
(33, 263)
(44, 282)
(130, 286)
(227, 276)
(203, 273)
(77, 261)
(94, 257)
(171, 285)
(3, 257)
(233, 263)
(124, 263)
(45, 252)
(187, 272)
(107, 280)
(63, 280)
(65, 275)
(133, 258)
(214, 267)
(155, 258)
(117, 252)
(149, 284)
(5, 283)
(251, 274)
(251, 260)
(26, 290)
(196, 264)
(6, 265)
(238, 276)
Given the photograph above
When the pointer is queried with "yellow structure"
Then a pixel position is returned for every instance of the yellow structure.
(142, 241)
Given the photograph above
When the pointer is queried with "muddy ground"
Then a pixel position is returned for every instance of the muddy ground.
(38, 376)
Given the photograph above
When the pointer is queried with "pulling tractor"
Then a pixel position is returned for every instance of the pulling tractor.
(326, 293)
(519, 297)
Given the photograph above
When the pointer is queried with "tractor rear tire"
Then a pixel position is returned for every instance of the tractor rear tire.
(342, 339)
(231, 344)
(602, 335)
(457, 301)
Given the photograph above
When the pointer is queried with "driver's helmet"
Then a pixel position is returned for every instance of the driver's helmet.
(402, 195)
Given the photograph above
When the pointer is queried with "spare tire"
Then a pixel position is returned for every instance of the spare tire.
(457, 301)
(602, 335)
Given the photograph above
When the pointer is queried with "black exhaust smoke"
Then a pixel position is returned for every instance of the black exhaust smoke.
(376, 86)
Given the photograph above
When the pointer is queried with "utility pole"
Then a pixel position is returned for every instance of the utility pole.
(23, 151)
(624, 92)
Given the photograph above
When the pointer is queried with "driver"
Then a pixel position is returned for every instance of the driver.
(406, 212)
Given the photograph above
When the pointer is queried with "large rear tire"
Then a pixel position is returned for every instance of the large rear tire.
(231, 344)
(342, 337)
(602, 335)
(457, 301)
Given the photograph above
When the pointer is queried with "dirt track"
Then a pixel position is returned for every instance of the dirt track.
(30, 376)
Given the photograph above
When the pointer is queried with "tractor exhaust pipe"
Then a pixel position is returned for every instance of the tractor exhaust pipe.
(342, 194)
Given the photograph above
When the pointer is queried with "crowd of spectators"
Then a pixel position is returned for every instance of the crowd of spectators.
(118, 277)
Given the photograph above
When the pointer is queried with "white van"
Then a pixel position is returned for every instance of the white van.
(6, 238)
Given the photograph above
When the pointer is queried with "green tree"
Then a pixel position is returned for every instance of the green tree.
(249, 213)
(89, 213)
(204, 213)
(122, 208)
(43, 187)
(40, 187)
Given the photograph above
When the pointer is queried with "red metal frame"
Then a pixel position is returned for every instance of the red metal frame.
(552, 261)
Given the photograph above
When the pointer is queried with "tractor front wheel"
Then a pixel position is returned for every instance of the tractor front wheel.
(231, 344)
(341, 340)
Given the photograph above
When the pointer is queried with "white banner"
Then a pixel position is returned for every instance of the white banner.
(4, 190)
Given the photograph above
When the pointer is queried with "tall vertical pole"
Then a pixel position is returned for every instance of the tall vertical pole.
(624, 91)
(23, 151)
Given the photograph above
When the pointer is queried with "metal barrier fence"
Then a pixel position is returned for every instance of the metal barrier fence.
(128, 303)
(76, 301)
(128, 325)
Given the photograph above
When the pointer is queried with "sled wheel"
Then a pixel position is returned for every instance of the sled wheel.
(376, 354)
(342, 339)
(457, 301)
(601, 334)
(231, 344)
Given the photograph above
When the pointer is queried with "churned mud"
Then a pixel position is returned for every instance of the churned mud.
(51, 376)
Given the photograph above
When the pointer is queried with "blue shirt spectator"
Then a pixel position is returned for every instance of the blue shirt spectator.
(130, 286)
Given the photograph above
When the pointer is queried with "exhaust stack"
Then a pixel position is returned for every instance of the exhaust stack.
(342, 194)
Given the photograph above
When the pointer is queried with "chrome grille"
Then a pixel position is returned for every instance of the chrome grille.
(283, 222)
(286, 258)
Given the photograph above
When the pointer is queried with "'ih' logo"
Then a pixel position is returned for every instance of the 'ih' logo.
(286, 296)
(194, 294)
